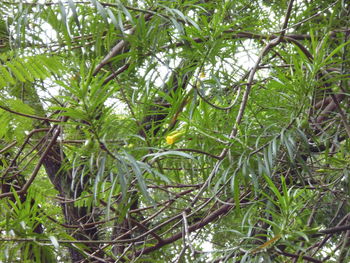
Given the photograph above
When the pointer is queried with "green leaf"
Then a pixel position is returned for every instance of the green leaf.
(6, 76)
(16, 72)
(74, 12)
(236, 191)
(168, 154)
(54, 242)
(100, 9)
(335, 51)
(275, 190)
(139, 176)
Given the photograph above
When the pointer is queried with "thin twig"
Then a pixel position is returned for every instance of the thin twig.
(40, 162)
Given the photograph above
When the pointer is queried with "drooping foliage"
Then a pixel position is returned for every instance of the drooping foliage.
(174, 131)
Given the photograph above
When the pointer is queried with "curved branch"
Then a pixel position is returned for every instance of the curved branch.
(208, 219)
(28, 115)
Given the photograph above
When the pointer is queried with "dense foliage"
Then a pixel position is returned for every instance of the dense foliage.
(174, 131)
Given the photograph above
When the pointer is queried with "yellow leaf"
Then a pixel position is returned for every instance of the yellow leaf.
(266, 244)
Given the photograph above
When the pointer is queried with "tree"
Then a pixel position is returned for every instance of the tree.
(174, 131)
